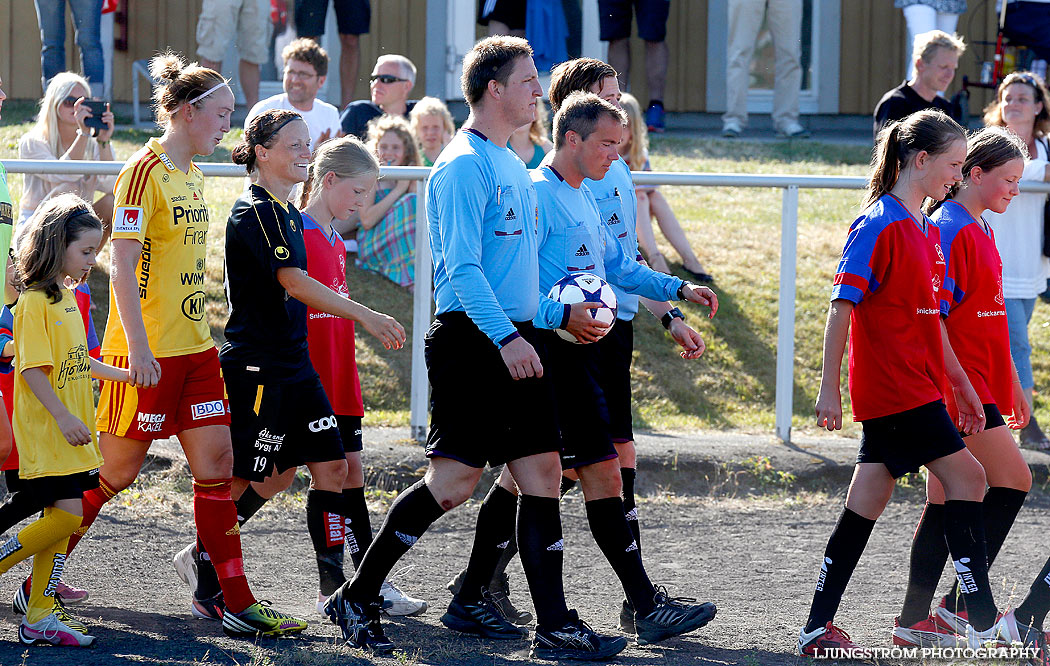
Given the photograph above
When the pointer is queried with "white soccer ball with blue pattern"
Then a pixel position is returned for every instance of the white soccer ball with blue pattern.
(585, 288)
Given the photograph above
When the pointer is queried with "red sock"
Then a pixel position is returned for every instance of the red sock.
(216, 518)
(92, 501)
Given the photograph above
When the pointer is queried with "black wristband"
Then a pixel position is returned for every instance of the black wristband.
(670, 316)
(682, 286)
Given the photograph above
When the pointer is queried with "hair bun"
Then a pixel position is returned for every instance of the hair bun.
(167, 66)
(241, 153)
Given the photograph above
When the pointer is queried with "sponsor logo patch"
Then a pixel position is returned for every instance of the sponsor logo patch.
(281, 252)
(150, 422)
(324, 423)
(193, 306)
(127, 220)
(203, 410)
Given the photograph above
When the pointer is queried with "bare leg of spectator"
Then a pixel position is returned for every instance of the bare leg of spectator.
(350, 49)
(620, 59)
(656, 56)
(250, 75)
(646, 239)
(673, 231)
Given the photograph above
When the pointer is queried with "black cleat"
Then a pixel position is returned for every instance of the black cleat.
(359, 622)
(575, 640)
(481, 618)
(672, 617)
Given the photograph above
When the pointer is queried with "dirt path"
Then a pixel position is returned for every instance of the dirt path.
(756, 557)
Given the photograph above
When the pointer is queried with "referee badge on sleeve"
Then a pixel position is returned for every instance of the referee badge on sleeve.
(281, 252)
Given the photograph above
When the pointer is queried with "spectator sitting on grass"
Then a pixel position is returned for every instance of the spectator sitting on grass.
(60, 134)
(651, 202)
(386, 239)
(391, 82)
(433, 128)
(531, 142)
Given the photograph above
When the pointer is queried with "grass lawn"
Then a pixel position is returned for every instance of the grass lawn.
(736, 233)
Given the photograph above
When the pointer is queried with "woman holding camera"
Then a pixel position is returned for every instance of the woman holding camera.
(63, 132)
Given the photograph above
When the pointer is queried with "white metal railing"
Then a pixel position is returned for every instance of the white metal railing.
(422, 298)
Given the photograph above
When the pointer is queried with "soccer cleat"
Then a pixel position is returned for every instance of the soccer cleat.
(481, 618)
(988, 638)
(73, 623)
(575, 640)
(1011, 631)
(398, 604)
(71, 595)
(260, 620)
(212, 608)
(20, 603)
(672, 617)
(820, 642)
(359, 622)
(185, 562)
(627, 618)
(957, 621)
(52, 631)
(926, 633)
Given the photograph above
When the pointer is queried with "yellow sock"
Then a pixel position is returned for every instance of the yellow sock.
(47, 571)
(55, 525)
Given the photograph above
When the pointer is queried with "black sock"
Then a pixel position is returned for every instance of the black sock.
(324, 520)
(504, 560)
(410, 515)
(492, 534)
(929, 553)
(567, 484)
(358, 524)
(628, 475)
(248, 504)
(207, 580)
(614, 538)
(964, 531)
(1032, 610)
(16, 508)
(844, 549)
(541, 549)
(1001, 506)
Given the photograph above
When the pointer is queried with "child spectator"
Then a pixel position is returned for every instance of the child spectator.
(652, 204)
(432, 126)
(532, 142)
(60, 133)
(386, 239)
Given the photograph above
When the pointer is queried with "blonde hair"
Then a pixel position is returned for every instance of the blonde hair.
(927, 43)
(431, 106)
(993, 113)
(538, 133)
(43, 240)
(46, 127)
(346, 157)
(639, 134)
(179, 83)
(399, 126)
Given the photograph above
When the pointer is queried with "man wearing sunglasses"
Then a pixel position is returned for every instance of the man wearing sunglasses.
(390, 83)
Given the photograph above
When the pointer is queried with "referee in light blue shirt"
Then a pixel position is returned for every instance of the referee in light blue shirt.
(491, 403)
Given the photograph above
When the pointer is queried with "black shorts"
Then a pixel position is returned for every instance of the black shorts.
(478, 414)
(615, 350)
(352, 16)
(906, 441)
(993, 418)
(46, 490)
(279, 424)
(614, 19)
(583, 415)
(510, 12)
(350, 432)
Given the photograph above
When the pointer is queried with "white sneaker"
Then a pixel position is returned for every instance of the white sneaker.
(793, 131)
(981, 639)
(398, 604)
(185, 562)
(731, 130)
(53, 631)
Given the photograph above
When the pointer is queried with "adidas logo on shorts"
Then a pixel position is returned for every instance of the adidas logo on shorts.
(406, 539)
(632, 514)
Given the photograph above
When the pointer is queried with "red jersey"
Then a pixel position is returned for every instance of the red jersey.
(972, 300)
(892, 269)
(331, 338)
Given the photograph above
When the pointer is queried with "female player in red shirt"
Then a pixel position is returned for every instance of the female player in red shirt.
(975, 316)
(886, 298)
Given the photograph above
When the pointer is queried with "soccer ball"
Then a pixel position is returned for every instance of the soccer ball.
(585, 288)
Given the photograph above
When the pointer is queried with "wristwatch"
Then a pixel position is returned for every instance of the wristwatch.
(670, 316)
(682, 286)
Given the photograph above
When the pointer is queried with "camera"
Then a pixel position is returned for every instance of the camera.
(98, 107)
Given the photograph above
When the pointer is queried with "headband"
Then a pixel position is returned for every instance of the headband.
(277, 129)
(207, 92)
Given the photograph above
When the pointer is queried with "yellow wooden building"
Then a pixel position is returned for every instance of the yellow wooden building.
(855, 48)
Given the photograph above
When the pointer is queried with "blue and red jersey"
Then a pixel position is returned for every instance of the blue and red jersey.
(972, 302)
(331, 338)
(892, 270)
